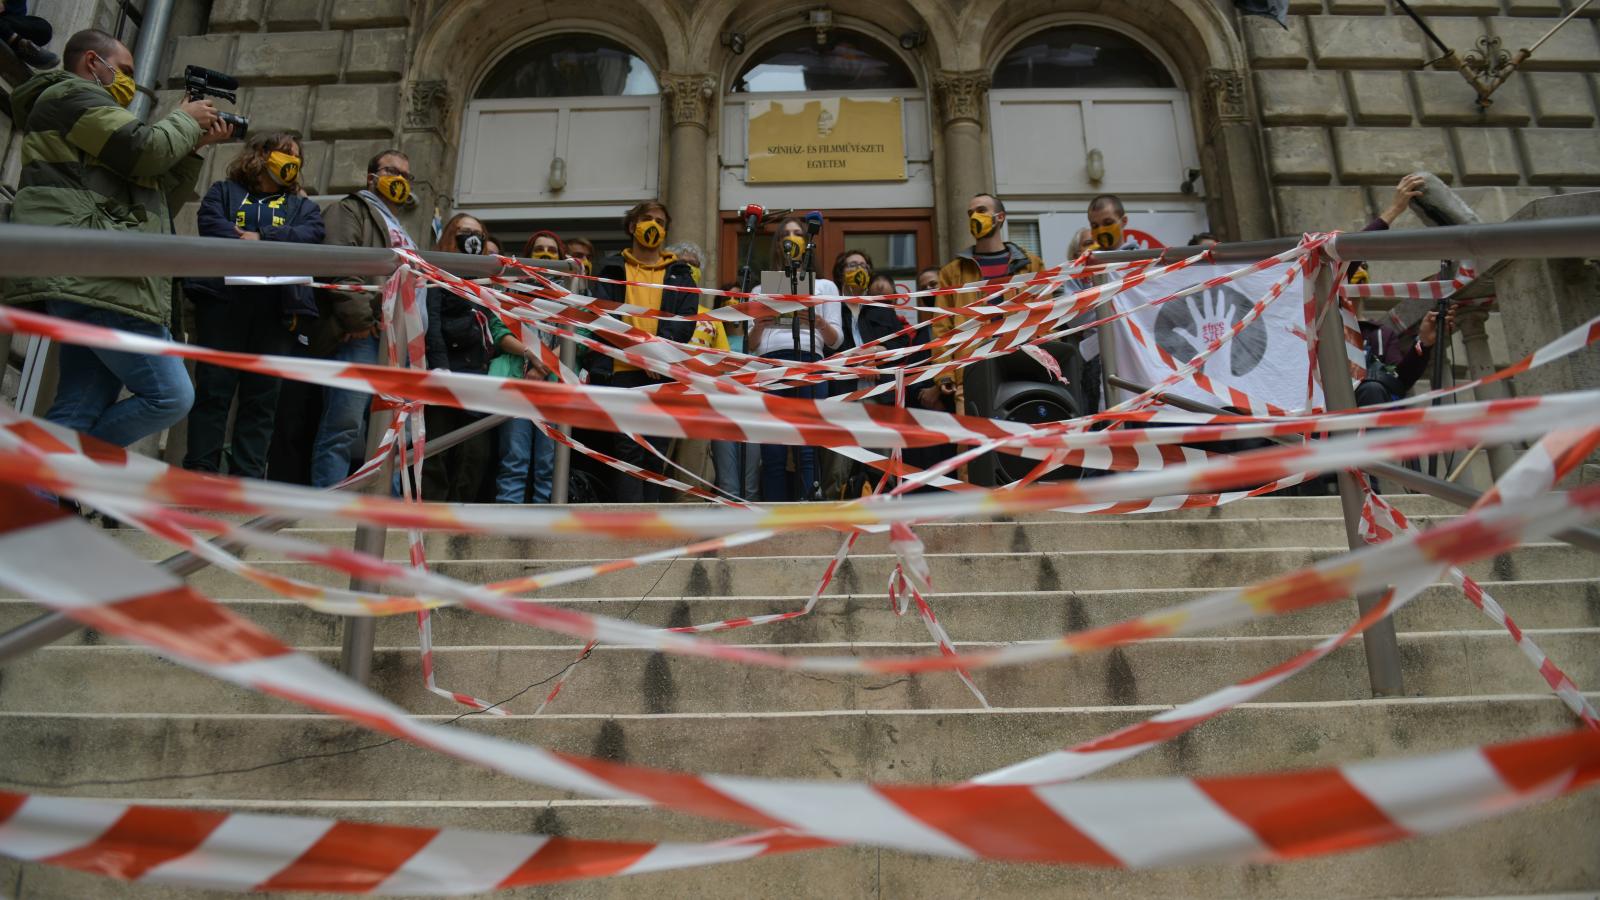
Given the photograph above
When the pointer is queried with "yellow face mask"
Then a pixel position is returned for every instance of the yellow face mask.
(649, 234)
(588, 267)
(394, 188)
(284, 168)
(121, 88)
(543, 254)
(856, 280)
(1360, 276)
(1108, 237)
(981, 225)
(695, 271)
(794, 247)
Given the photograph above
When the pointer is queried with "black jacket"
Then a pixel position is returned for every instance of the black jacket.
(458, 333)
(298, 220)
(677, 303)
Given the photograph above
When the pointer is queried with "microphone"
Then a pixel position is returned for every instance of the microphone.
(813, 223)
(753, 213)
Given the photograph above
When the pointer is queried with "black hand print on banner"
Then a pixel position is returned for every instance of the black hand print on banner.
(1186, 327)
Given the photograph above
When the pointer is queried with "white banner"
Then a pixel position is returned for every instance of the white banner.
(1267, 360)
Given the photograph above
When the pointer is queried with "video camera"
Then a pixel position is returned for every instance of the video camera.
(200, 82)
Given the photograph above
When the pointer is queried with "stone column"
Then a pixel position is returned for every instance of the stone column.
(690, 99)
(1246, 199)
(960, 98)
(1471, 326)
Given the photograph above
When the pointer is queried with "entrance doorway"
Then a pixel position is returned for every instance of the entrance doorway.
(900, 242)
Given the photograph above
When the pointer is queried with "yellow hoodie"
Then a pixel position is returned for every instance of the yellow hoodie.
(647, 297)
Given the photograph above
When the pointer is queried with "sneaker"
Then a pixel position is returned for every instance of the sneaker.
(33, 54)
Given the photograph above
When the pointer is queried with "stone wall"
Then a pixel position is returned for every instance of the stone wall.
(329, 69)
(1347, 108)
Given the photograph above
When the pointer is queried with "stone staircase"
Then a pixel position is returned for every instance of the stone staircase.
(89, 709)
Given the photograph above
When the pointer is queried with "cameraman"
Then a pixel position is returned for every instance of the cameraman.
(260, 200)
(88, 163)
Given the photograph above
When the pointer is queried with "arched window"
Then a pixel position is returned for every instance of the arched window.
(849, 61)
(1080, 56)
(569, 65)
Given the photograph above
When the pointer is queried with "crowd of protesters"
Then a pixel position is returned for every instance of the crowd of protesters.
(127, 175)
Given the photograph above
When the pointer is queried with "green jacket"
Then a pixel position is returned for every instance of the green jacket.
(350, 222)
(89, 163)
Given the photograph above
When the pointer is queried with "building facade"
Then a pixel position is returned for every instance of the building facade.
(562, 114)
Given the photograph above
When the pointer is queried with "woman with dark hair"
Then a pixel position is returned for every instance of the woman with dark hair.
(260, 200)
(794, 337)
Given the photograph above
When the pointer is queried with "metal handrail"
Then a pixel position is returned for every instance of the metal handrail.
(31, 250)
(1574, 236)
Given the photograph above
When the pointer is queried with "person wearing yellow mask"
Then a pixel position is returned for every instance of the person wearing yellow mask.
(1108, 223)
(653, 274)
(89, 163)
(348, 323)
(990, 256)
(261, 199)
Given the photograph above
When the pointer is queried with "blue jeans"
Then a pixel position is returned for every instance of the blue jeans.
(730, 472)
(341, 435)
(519, 441)
(775, 457)
(90, 381)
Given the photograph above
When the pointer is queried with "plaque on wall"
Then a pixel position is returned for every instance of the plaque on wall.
(825, 139)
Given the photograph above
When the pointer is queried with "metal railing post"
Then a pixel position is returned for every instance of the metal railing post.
(1379, 642)
(360, 632)
(561, 474)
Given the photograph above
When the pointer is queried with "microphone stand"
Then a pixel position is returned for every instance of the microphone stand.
(746, 282)
(1441, 334)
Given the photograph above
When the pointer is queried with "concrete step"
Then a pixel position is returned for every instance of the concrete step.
(625, 680)
(1547, 851)
(1017, 615)
(1087, 533)
(233, 754)
(952, 573)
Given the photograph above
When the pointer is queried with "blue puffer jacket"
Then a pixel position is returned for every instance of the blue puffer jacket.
(285, 216)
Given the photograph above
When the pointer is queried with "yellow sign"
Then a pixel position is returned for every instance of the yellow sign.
(826, 139)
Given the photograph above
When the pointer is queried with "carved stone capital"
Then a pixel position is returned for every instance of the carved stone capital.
(427, 104)
(1225, 99)
(692, 98)
(960, 95)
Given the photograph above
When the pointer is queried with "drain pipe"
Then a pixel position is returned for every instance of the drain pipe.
(147, 53)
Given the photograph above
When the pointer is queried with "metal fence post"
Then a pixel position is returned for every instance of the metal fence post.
(1379, 642)
(562, 474)
(360, 632)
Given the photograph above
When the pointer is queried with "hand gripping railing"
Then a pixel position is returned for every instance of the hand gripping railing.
(32, 250)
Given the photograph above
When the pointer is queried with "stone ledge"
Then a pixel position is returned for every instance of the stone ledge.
(356, 111)
(1561, 98)
(1384, 155)
(1301, 98)
(1298, 155)
(376, 55)
(300, 57)
(1380, 98)
(236, 15)
(1272, 47)
(294, 15)
(370, 13)
(1560, 156)
(1488, 156)
(1365, 42)
(1302, 209)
